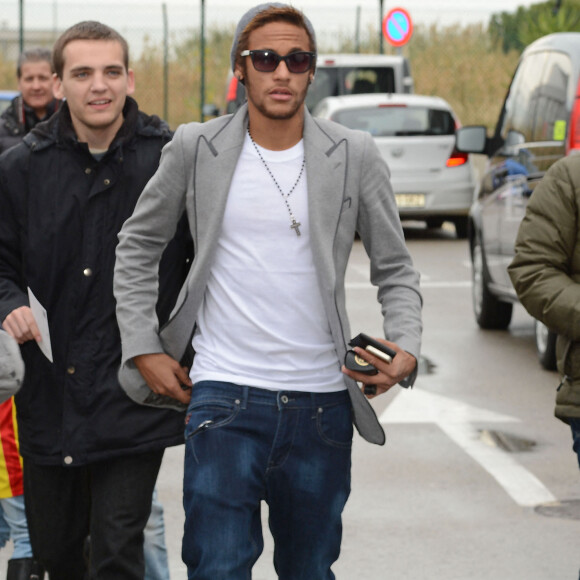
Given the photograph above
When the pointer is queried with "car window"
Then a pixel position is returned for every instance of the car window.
(360, 80)
(397, 120)
(550, 121)
(325, 84)
(335, 81)
(522, 97)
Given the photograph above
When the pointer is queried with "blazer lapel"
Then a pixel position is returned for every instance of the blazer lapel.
(326, 175)
(214, 166)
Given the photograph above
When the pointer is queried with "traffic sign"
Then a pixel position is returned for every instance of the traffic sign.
(397, 27)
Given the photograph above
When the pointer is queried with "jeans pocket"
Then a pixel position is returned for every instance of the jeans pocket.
(209, 414)
(334, 425)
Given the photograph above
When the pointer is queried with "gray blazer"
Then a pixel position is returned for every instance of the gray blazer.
(348, 190)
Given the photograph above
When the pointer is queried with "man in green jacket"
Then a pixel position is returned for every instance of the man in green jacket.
(546, 275)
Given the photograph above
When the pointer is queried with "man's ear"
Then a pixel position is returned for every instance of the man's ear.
(238, 74)
(130, 81)
(57, 87)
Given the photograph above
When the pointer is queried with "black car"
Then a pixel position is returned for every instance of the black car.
(539, 123)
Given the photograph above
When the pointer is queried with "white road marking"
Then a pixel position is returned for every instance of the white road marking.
(455, 418)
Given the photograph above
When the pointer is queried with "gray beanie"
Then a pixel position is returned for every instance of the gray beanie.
(250, 15)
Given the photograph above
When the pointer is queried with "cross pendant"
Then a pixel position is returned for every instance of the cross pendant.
(296, 226)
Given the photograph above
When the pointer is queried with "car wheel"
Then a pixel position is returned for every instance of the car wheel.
(546, 346)
(490, 313)
(461, 227)
(434, 223)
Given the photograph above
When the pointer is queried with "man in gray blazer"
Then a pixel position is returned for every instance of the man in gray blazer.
(274, 198)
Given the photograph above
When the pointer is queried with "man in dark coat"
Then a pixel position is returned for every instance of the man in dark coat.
(35, 103)
(91, 455)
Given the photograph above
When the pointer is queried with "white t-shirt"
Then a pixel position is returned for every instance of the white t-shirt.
(262, 321)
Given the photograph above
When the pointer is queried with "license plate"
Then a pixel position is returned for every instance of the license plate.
(410, 199)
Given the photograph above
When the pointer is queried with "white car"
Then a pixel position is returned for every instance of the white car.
(6, 98)
(416, 136)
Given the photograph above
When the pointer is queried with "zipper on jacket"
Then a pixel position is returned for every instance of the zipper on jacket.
(564, 379)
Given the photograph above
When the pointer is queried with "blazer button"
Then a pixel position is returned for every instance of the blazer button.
(88, 170)
(107, 182)
(68, 459)
(70, 370)
(87, 272)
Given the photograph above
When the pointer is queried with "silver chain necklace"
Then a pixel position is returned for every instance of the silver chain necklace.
(294, 225)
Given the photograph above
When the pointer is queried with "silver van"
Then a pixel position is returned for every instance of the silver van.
(353, 74)
(539, 123)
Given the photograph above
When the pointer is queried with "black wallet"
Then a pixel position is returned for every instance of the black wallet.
(356, 363)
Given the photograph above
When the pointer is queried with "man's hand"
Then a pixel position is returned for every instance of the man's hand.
(389, 374)
(20, 324)
(165, 376)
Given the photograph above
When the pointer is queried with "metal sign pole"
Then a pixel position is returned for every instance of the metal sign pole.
(381, 50)
(202, 49)
(21, 31)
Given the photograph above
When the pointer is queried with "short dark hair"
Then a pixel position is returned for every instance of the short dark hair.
(274, 13)
(86, 30)
(37, 54)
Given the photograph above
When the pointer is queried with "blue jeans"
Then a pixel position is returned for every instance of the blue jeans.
(245, 445)
(575, 426)
(154, 548)
(13, 525)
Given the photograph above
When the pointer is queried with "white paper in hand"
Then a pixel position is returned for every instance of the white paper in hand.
(41, 319)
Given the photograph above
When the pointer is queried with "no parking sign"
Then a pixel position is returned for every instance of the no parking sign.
(397, 27)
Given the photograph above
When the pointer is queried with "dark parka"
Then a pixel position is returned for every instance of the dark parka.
(546, 271)
(60, 214)
(18, 119)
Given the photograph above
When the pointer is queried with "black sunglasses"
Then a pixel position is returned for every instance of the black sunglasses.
(268, 60)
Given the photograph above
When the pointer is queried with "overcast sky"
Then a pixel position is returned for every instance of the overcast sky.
(342, 13)
(330, 18)
(320, 11)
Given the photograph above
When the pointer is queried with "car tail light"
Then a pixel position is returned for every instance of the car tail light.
(232, 89)
(457, 158)
(574, 132)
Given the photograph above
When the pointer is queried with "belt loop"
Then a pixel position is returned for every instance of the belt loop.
(313, 401)
(245, 396)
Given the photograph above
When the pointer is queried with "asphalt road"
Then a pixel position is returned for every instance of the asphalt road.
(476, 475)
(477, 479)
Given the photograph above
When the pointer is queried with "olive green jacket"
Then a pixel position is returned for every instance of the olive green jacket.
(546, 271)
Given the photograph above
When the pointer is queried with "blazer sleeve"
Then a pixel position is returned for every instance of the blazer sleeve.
(392, 269)
(11, 367)
(142, 240)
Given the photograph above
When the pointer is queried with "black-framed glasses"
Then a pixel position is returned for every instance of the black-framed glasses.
(268, 60)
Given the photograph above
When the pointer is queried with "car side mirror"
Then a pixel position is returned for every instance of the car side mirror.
(471, 139)
(210, 110)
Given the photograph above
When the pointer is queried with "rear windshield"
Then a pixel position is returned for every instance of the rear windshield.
(335, 81)
(395, 120)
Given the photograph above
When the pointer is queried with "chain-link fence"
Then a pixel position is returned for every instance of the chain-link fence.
(456, 62)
